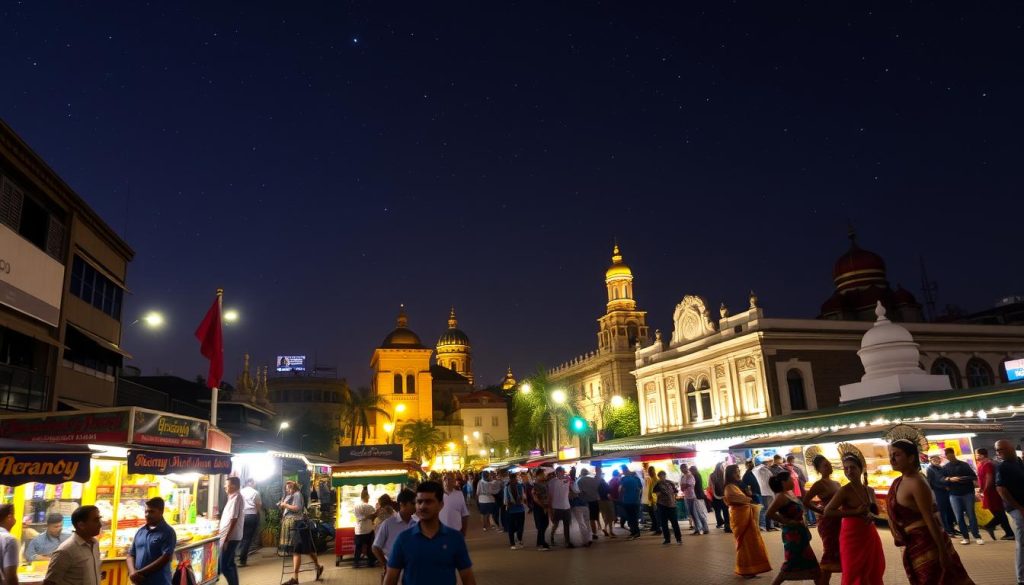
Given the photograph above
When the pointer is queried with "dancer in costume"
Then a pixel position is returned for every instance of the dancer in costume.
(860, 549)
(823, 491)
(787, 510)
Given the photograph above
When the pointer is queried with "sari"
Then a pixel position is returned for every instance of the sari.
(800, 564)
(751, 554)
(828, 531)
(920, 555)
(860, 552)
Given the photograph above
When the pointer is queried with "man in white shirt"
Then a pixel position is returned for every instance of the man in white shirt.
(231, 530)
(388, 531)
(485, 503)
(251, 519)
(364, 513)
(9, 553)
(558, 492)
(454, 514)
(77, 560)
(763, 473)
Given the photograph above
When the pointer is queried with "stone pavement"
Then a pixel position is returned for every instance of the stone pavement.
(700, 560)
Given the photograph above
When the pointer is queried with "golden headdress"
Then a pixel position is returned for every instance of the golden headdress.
(812, 452)
(847, 450)
(908, 434)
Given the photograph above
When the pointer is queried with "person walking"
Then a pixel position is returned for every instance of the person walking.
(364, 513)
(389, 531)
(558, 492)
(296, 539)
(631, 491)
(253, 507)
(485, 503)
(588, 487)
(936, 481)
(860, 549)
(149, 556)
(751, 554)
(515, 505)
(605, 505)
(990, 499)
(799, 485)
(10, 556)
(764, 494)
(698, 518)
(429, 553)
(580, 510)
(960, 479)
(1010, 485)
(77, 560)
(650, 504)
(822, 492)
(787, 511)
(455, 512)
(928, 554)
(717, 482)
(665, 498)
(231, 523)
(540, 505)
(616, 497)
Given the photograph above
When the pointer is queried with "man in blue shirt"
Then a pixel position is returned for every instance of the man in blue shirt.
(630, 489)
(43, 545)
(429, 553)
(149, 557)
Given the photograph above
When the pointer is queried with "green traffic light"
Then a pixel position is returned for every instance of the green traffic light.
(578, 424)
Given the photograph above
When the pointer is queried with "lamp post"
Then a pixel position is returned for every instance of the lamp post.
(389, 429)
(284, 426)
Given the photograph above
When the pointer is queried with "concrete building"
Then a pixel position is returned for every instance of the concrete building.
(63, 274)
(302, 397)
(484, 417)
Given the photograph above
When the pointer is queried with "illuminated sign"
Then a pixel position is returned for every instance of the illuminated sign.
(19, 468)
(392, 452)
(161, 463)
(1014, 370)
(153, 428)
(92, 427)
(568, 453)
(291, 363)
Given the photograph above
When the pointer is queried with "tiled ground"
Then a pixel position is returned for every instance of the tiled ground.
(701, 560)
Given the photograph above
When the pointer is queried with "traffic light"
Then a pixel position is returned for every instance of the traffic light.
(578, 424)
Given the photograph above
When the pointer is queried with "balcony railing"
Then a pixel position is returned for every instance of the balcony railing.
(23, 390)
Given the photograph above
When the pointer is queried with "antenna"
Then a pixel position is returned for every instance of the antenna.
(928, 290)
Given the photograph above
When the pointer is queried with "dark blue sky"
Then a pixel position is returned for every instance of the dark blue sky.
(324, 162)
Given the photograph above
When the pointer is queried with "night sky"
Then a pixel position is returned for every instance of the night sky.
(324, 162)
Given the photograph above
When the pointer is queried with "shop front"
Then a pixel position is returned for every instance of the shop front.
(135, 454)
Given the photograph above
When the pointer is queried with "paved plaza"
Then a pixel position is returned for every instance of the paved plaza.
(700, 560)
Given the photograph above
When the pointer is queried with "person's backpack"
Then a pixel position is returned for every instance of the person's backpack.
(183, 574)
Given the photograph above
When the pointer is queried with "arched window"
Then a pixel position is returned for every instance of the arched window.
(398, 383)
(945, 367)
(410, 384)
(691, 402)
(705, 399)
(978, 373)
(797, 397)
(632, 333)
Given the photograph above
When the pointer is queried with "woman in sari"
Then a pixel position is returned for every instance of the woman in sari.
(928, 554)
(828, 527)
(751, 555)
(788, 511)
(860, 549)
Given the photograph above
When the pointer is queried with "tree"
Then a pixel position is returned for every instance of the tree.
(359, 408)
(312, 435)
(623, 421)
(534, 413)
(423, 439)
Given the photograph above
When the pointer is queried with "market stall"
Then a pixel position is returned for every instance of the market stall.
(380, 469)
(136, 454)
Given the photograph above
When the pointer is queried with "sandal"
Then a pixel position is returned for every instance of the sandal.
(292, 581)
(319, 571)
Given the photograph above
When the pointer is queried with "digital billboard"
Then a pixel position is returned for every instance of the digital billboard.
(1014, 370)
(291, 363)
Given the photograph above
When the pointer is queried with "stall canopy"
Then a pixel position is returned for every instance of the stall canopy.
(534, 462)
(371, 470)
(860, 433)
(640, 455)
(51, 463)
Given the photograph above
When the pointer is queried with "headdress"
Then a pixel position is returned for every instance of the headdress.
(812, 452)
(908, 434)
(848, 450)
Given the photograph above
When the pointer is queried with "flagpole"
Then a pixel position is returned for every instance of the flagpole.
(215, 391)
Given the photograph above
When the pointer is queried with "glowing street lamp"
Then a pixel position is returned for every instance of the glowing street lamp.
(476, 435)
(525, 388)
(153, 319)
(231, 315)
(399, 408)
(559, 396)
(618, 401)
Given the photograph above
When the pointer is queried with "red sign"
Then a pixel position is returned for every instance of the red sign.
(218, 440)
(89, 427)
(344, 541)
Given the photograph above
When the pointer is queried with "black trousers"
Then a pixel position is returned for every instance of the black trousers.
(250, 525)
(514, 526)
(721, 513)
(364, 541)
(668, 516)
(540, 520)
(1000, 519)
(632, 518)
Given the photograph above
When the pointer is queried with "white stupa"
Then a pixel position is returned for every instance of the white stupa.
(891, 364)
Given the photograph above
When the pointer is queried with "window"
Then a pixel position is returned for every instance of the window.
(93, 287)
(945, 367)
(978, 373)
(83, 352)
(478, 421)
(705, 399)
(398, 383)
(653, 420)
(691, 402)
(797, 397)
(410, 384)
(494, 421)
(698, 400)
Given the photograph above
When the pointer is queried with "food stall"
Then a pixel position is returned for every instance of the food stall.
(136, 454)
(378, 468)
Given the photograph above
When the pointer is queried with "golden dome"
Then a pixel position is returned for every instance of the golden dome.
(618, 268)
(402, 336)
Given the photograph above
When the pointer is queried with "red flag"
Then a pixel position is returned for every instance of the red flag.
(212, 343)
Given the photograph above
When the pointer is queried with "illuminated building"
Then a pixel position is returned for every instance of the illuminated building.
(401, 375)
(453, 349)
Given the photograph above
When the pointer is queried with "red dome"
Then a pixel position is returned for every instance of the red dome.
(858, 267)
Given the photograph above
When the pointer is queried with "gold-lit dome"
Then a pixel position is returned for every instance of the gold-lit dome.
(618, 268)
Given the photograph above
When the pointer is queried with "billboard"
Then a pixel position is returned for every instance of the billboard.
(30, 280)
(1014, 370)
(291, 363)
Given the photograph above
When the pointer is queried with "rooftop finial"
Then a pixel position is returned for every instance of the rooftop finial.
(403, 320)
(851, 233)
(452, 321)
(616, 254)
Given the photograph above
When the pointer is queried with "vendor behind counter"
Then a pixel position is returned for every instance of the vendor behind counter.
(43, 545)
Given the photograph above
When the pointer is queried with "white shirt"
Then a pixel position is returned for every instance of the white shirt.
(558, 492)
(251, 497)
(364, 514)
(9, 553)
(233, 509)
(75, 562)
(763, 474)
(454, 510)
(388, 531)
(485, 491)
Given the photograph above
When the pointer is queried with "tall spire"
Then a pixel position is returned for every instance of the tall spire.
(403, 320)
(616, 255)
(452, 321)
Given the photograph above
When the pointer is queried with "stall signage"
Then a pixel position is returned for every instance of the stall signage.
(52, 468)
(153, 428)
(392, 452)
(1014, 370)
(161, 463)
(90, 427)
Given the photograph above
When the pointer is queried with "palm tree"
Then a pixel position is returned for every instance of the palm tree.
(423, 439)
(359, 408)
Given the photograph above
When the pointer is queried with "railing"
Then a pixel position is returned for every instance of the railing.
(23, 390)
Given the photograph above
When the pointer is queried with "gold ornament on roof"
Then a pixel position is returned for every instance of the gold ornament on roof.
(907, 434)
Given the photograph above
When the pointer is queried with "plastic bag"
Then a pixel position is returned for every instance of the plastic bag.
(984, 516)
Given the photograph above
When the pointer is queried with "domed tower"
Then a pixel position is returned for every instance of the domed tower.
(401, 375)
(622, 326)
(860, 280)
(453, 349)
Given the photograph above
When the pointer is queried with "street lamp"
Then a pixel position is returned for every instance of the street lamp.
(399, 408)
(231, 315)
(618, 401)
(525, 388)
(558, 396)
(476, 435)
(388, 428)
(153, 319)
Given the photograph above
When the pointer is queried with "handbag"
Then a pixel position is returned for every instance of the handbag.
(709, 494)
(183, 574)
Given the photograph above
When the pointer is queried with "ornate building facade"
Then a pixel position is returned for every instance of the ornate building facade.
(605, 372)
(401, 375)
(749, 366)
(453, 349)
